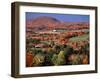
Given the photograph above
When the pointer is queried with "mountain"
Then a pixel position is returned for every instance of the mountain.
(42, 23)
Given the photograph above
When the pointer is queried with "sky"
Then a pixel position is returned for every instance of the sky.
(61, 17)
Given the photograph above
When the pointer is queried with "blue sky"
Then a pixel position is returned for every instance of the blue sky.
(61, 17)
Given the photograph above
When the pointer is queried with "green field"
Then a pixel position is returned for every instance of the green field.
(79, 38)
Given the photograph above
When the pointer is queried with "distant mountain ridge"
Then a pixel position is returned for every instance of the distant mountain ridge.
(43, 23)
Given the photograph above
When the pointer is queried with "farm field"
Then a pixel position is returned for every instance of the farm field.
(80, 38)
